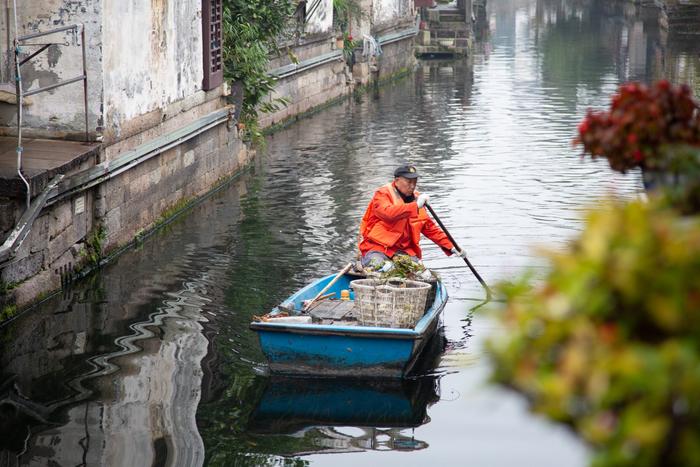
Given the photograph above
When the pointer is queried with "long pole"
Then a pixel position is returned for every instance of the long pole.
(447, 232)
(345, 269)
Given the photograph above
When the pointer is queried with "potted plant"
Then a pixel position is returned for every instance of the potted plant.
(644, 128)
(348, 47)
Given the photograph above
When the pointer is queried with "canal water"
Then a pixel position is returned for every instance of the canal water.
(151, 362)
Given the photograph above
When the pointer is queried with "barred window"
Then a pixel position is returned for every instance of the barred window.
(212, 39)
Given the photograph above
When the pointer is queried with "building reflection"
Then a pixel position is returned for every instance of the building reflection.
(110, 373)
(65, 403)
(625, 41)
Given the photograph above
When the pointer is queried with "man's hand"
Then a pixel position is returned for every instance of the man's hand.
(422, 199)
(460, 253)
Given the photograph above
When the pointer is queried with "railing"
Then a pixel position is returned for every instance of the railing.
(21, 41)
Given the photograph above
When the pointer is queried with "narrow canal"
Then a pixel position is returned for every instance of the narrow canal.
(151, 362)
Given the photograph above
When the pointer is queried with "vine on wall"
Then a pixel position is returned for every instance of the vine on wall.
(250, 29)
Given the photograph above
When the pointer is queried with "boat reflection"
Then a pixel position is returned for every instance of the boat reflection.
(346, 415)
(289, 405)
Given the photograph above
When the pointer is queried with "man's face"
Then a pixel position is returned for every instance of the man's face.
(406, 185)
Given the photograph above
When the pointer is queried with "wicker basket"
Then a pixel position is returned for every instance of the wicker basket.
(395, 303)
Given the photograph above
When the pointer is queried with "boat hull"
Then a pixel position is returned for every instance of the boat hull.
(347, 351)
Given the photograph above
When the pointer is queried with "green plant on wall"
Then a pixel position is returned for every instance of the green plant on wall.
(250, 29)
(343, 13)
(610, 342)
(94, 245)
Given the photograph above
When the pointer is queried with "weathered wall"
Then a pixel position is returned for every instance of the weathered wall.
(153, 57)
(53, 246)
(59, 111)
(320, 20)
(142, 55)
(386, 13)
(138, 197)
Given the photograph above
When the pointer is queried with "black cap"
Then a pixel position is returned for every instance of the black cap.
(406, 171)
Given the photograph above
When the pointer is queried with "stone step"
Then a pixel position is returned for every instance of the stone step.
(446, 35)
(452, 18)
(448, 24)
(463, 27)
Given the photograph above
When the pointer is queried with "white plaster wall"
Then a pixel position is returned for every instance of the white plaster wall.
(60, 109)
(321, 19)
(387, 11)
(152, 56)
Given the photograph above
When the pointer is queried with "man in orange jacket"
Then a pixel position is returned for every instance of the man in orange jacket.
(395, 219)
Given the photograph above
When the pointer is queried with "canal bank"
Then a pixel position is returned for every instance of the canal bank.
(152, 128)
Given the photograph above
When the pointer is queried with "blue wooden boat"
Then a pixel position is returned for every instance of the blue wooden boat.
(338, 346)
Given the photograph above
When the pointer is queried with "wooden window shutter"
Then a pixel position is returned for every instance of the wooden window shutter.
(213, 41)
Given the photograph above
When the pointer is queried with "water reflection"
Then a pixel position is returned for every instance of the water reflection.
(152, 362)
(291, 405)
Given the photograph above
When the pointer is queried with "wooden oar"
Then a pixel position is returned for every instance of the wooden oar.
(308, 304)
(444, 229)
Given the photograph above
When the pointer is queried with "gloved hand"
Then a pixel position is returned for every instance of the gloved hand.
(461, 254)
(388, 266)
(422, 199)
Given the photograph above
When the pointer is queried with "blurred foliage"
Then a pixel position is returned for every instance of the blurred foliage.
(640, 121)
(679, 184)
(610, 342)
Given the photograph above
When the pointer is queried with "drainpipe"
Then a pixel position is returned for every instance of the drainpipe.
(18, 90)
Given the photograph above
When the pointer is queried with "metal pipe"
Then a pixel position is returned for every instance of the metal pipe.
(18, 91)
(45, 33)
(85, 85)
(7, 66)
(26, 59)
(54, 86)
(17, 235)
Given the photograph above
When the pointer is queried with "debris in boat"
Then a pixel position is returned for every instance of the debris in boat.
(291, 319)
(268, 316)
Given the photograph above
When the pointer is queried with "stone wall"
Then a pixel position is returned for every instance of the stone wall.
(308, 90)
(397, 57)
(53, 247)
(125, 206)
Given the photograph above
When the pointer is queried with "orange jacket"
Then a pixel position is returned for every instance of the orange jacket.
(390, 225)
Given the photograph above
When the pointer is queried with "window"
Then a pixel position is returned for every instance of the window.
(212, 40)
